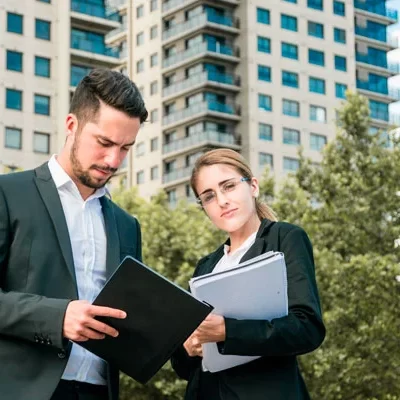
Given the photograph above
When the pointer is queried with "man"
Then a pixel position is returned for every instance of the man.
(61, 237)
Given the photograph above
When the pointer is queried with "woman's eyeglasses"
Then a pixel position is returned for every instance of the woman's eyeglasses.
(228, 186)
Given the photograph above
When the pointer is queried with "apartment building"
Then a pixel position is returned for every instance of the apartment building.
(260, 77)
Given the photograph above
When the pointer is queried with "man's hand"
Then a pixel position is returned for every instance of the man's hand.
(212, 329)
(80, 323)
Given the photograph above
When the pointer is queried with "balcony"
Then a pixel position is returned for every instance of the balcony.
(196, 80)
(223, 110)
(380, 36)
(177, 174)
(77, 74)
(371, 87)
(200, 21)
(379, 9)
(227, 51)
(79, 43)
(116, 35)
(175, 5)
(380, 62)
(202, 138)
(93, 9)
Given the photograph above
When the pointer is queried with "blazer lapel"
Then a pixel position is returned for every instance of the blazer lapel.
(48, 192)
(113, 248)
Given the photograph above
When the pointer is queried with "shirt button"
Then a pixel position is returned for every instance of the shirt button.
(62, 354)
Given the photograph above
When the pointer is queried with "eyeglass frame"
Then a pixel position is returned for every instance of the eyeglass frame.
(238, 180)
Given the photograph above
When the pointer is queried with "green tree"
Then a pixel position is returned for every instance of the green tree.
(350, 207)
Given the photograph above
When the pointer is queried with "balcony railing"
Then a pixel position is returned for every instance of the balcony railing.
(381, 115)
(368, 59)
(197, 21)
(371, 87)
(198, 108)
(114, 32)
(379, 35)
(80, 43)
(200, 78)
(198, 49)
(394, 93)
(379, 9)
(77, 74)
(394, 67)
(224, 139)
(94, 10)
(394, 119)
(168, 5)
(180, 173)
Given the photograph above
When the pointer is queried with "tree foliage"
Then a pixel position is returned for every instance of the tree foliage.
(350, 207)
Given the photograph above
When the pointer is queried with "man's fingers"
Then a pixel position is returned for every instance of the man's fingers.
(107, 312)
(101, 327)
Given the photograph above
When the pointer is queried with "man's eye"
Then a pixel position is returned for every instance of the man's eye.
(105, 144)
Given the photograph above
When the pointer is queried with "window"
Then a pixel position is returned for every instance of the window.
(264, 73)
(291, 136)
(291, 108)
(315, 4)
(14, 99)
(154, 115)
(265, 159)
(340, 90)
(339, 35)
(340, 63)
(15, 23)
(315, 29)
(318, 114)
(264, 102)
(379, 110)
(42, 29)
(290, 79)
(41, 104)
(139, 11)
(288, 22)
(13, 138)
(140, 177)
(263, 16)
(153, 5)
(317, 85)
(140, 39)
(154, 60)
(41, 142)
(290, 164)
(140, 149)
(316, 57)
(263, 44)
(154, 144)
(140, 66)
(291, 1)
(153, 32)
(45, 1)
(42, 66)
(317, 142)
(265, 132)
(14, 60)
(339, 8)
(290, 51)
(154, 173)
(172, 199)
(153, 87)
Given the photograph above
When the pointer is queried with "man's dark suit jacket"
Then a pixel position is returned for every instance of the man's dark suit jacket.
(274, 376)
(37, 281)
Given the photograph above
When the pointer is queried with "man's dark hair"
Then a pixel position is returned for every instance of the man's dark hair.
(112, 88)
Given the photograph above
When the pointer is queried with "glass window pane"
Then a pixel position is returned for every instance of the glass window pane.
(42, 104)
(42, 29)
(14, 60)
(41, 142)
(42, 67)
(13, 138)
(14, 99)
(15, 23)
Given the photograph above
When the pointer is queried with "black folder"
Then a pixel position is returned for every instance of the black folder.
(160, 317)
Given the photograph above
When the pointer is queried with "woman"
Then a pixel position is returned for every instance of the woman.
(227, 191)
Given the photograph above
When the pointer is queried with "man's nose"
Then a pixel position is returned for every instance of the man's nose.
(113, 159)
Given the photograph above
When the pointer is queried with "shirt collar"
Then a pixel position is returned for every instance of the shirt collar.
(61, 178)
(244, 245)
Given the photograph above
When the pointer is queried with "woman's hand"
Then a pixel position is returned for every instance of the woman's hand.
(212, 329)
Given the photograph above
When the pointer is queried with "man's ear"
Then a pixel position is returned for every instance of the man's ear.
(71, 125)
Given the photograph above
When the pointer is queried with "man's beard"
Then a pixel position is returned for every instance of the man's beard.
(83, 175)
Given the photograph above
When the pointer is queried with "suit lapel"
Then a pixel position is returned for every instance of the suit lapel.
(51, 199)
(113, 247)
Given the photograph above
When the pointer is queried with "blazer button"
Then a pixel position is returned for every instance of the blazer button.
(62, 354)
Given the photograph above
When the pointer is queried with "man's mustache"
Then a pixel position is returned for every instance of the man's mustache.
(104, 168)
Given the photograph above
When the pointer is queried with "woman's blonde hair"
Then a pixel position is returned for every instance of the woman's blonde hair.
(237, 162)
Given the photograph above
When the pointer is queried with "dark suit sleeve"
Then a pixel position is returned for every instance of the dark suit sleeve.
(302, 330)
(23, 315)
(183, 364)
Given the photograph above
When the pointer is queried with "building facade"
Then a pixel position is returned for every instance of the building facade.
(259, 77)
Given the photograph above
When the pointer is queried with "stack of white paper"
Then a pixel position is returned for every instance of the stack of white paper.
(255, 289)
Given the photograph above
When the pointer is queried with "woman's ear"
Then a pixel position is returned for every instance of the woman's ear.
(255, 189)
